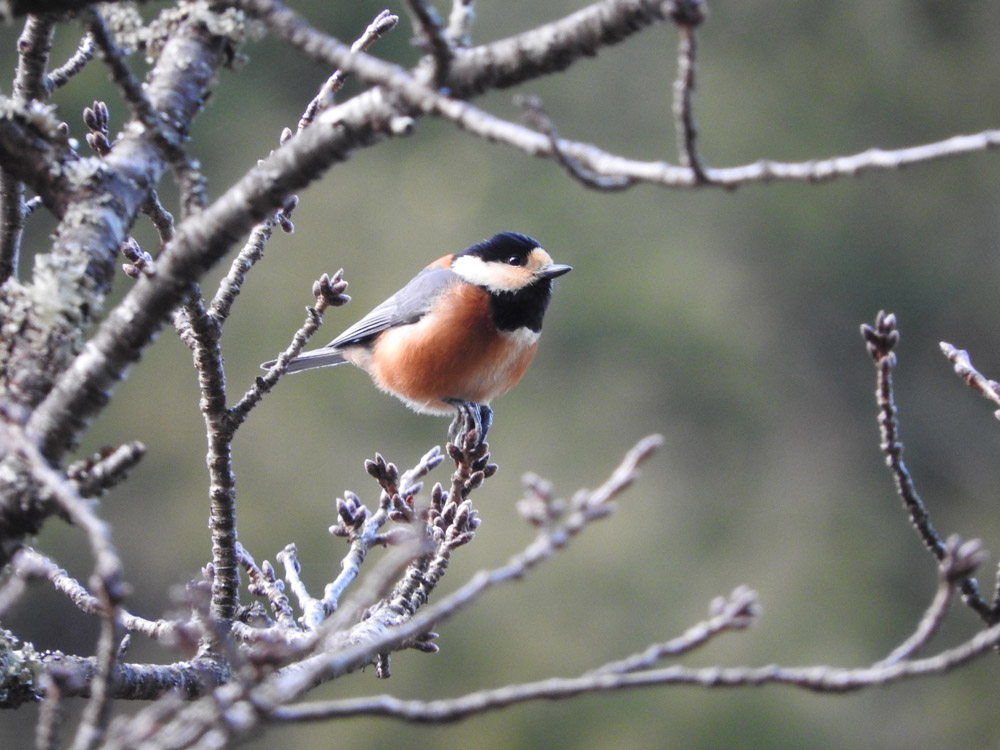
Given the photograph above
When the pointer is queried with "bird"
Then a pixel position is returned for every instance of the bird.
(459, 334)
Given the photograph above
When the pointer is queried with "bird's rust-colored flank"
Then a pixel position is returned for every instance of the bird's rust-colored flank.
(455, 351)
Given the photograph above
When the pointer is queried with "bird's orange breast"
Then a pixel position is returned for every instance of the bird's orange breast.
(453, 352)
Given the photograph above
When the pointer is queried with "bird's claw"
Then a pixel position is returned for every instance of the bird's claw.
(469, 417)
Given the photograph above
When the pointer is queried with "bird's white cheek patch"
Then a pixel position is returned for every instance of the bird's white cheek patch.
(497, 277)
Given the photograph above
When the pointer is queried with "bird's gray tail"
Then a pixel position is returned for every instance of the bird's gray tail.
(311, 360)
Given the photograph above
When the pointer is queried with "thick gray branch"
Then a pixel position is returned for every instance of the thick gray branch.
(552, 47)
(97, 200)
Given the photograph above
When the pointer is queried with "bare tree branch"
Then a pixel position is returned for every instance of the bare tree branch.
(107, 580)
(345, 651)
(881, 340)
(28, 563)
(536, 116)
(34, 46)
(166, 138)
(463, 12)
(432, 36)
(585, 507)
(736, 612)
(990, 389)
(687, 14)
(383, 23)
(86, 247)
(959, 564)
(821, 679)
(62, 75)
(93, 476)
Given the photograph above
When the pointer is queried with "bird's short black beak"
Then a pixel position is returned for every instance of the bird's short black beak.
(552, 270)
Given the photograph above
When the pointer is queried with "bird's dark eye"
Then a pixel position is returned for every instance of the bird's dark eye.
(516, 260)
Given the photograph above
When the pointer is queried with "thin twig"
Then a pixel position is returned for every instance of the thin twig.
(27, 563)
(990, 389)
(378, 583)
(961, 562)
(190, 180)
(313, 611)
(688, 15)
(409, 480)
(328, 292)
(52, 713)
(363, 528)
(262, 582)
(449, 522)
(383, 23)
(222, 494)
(94, 722)
(431, 33)
(735, 612)
(590, 506)
(537, 117)
(821, 679)
(62, 75)
(163, 220)
(95, 475)
(33, 46)
(880, 340)
(617, 168)
(107, 580)
(247, 257)
(130, 88)
(463, 13)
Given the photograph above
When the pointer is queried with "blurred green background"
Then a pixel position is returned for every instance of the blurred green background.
(727, 321)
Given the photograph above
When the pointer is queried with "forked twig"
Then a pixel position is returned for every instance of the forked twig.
(880, 340)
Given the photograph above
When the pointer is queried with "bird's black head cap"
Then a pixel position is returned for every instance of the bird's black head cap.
(502, 246)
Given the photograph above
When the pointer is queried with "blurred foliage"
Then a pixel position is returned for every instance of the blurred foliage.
(728, 321)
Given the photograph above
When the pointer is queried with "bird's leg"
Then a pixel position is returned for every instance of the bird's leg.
(469, 416)
(485, 420)
(457, 426)
(462, 421)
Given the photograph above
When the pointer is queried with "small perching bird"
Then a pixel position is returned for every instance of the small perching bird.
(461, 332)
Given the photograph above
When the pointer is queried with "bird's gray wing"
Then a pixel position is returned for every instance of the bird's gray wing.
(407, 305)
